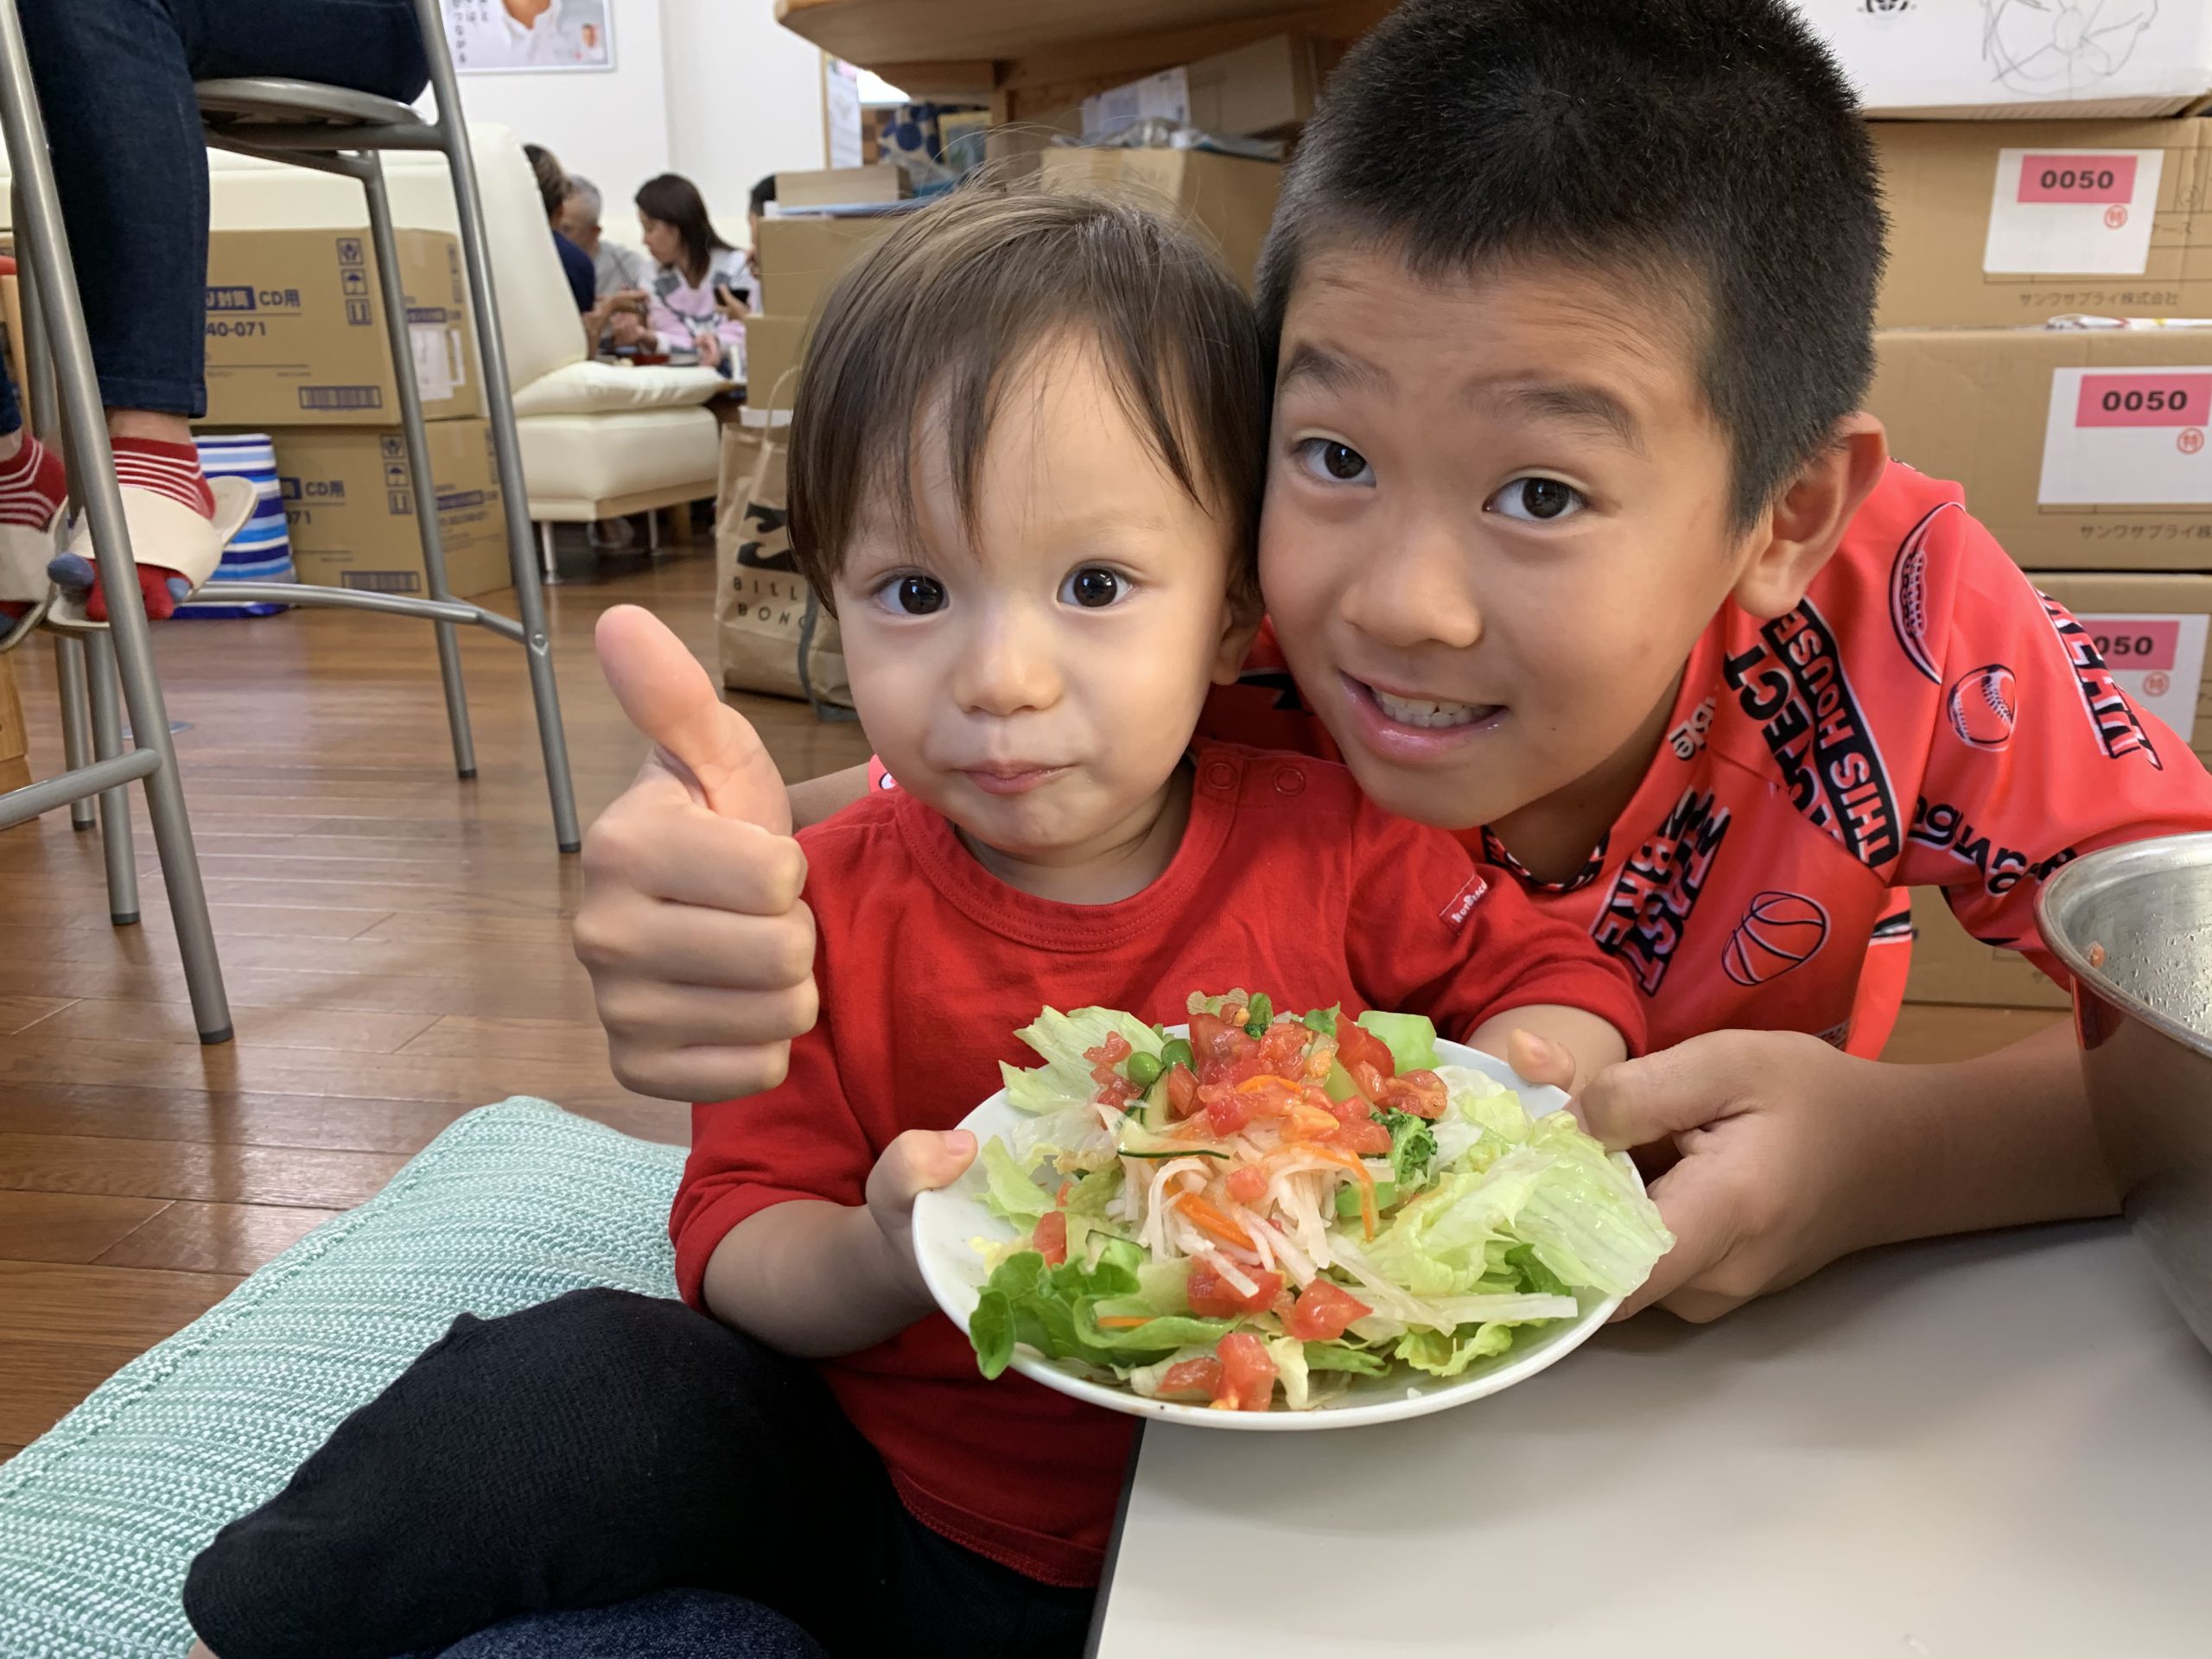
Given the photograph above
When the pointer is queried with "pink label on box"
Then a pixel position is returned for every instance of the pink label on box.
(2161, 397)
(2077, 178)
(2136, 644)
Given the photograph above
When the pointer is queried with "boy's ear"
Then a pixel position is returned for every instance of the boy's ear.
(1806, 523)
(1239, 624)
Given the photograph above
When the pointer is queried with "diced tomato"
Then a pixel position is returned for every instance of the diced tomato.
(1362, 1136)
(1225, 1110)
(1246, 1185)
(1422, 1093)
(1324, 1310)
(1192, 1379)
(1358, 1046)
(1366, 1078)
(1183, 1091)
(1107, 1056)
(1117, 1092)
(1051, 1237)
(1282, 1050)
(1247, 1375)
(1224, 1053)
(1213, 1297)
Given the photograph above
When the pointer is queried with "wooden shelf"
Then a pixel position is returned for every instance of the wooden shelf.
(872, 33)
(1032, 58)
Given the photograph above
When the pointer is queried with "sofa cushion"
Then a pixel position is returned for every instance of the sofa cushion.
(514, 1204)
(592, 387)
(573, 462)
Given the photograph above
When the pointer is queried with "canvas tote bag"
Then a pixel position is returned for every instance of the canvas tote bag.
(771, 632)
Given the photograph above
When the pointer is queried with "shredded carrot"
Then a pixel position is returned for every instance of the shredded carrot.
(1123, 1321)
(1210, 1220)
(1367, 1217)
(1304, 1122)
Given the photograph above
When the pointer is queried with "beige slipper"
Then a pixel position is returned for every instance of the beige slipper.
(164, 532)
(25, 551)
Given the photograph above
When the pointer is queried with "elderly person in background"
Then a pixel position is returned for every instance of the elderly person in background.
(615, 269)
(703, 290)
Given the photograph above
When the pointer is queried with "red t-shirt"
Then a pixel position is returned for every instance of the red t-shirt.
(1924, 718)
(1286, 881)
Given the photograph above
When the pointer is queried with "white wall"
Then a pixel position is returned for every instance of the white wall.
(744, 99)
(610, 125)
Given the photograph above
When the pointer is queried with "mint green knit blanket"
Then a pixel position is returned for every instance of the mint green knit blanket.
(513, 1205)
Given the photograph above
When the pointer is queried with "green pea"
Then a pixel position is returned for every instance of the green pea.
(1174, 1052)
(1259, 1015)
(1142, 1069)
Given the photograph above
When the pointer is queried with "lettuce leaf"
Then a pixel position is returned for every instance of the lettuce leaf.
(1055, 1310)
(1411, 1038)
(1442, 1356)
(1009, 1193)
(1586, 1218)
(1065, 1079)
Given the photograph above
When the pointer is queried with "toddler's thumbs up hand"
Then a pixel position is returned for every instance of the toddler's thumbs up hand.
(701, 953)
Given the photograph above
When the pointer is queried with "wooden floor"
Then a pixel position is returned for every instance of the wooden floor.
(396, 945)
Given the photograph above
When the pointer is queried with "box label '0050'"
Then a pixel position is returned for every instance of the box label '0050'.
(2083, 212)
(2127, 438)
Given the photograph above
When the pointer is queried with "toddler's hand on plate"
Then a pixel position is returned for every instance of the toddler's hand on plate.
(919, 1161)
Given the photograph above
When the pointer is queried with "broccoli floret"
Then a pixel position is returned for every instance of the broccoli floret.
(1412, 1146)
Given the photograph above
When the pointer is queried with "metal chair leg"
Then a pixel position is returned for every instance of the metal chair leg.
(418, 459)
(76, 730)
(506, 445)
(115, 804)
(42, 234)
(548, 559)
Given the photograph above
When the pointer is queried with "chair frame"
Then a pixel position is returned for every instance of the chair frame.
(334, 130)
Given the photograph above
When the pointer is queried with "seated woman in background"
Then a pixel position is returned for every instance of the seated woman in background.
(703, 288)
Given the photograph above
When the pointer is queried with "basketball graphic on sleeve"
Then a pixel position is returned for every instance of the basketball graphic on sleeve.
(1984, 704)
(1779, 931)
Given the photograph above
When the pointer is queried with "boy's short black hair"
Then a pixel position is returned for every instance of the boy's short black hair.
(934, 321)
(764, 192)
(1709, 146)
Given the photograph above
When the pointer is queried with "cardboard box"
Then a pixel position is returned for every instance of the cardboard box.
(773, 345)
(1998, 224)
(841, 187)
(2151, 632)
(14, 741)
(296, 329)
(1257, 90)
(801, 258)
(2081, 449)
(1227, 198)
(349, 504)
(1950, 965)
(2019, 58)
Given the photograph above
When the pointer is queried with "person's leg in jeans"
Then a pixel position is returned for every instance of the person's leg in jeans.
(671, 1625)
(115, 85)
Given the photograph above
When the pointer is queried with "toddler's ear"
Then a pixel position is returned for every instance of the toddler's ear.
(1239, 624)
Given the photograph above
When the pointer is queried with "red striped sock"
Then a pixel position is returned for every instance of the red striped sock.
(32, 483)
(170, 469)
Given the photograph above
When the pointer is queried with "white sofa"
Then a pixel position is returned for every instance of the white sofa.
(598, 440)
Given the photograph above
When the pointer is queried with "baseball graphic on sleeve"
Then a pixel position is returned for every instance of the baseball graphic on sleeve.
(1984, 704)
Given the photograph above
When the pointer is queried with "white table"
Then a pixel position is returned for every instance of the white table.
(1993, 1446)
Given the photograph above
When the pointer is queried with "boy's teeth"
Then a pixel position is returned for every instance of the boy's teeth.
(1419, 711)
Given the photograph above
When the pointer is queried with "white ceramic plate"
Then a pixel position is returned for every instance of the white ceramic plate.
(947, 1223)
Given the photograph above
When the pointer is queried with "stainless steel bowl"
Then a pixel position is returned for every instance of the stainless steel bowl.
(2133, 925)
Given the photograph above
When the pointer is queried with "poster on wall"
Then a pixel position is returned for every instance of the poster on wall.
(491, 37)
